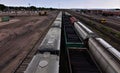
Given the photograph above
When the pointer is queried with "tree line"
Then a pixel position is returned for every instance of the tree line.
(6, 8)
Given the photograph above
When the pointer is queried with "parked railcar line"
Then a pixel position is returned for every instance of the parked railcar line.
(95, 26)
(24, 63)
(26, 60)
(47, 58)
(78, 60)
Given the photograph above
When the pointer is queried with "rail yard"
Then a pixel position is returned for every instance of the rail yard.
(59, 41)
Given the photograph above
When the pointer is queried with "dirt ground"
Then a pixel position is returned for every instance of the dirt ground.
(16, 39)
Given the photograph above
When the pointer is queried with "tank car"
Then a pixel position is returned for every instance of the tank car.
(109, 48)
(56, 24)
(44, 63)
(59, 17)
(105, 55)
(51, 42)
(58, 21)
(83, 31)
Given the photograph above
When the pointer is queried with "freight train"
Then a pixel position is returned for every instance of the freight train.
(105, 56)
(47, 59)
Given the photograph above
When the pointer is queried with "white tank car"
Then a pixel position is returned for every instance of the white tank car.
(51, 42)
(105, 55)
(83, 31)
(44, 63)
(59, 17)
(58, 21)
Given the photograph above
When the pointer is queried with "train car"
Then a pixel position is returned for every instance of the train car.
(51, 42)
(58, 21)
(107, 57)
(44, 63)
(59, 17)
(103, 20)
(57, 24)
(109, 48)
(83, 31)
(73, 19)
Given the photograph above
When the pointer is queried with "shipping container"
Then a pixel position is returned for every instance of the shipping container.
(5, 18)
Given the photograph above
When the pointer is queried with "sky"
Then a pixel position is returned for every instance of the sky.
(64, 3)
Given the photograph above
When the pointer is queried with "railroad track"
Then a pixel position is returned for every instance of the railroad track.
(117, 20)
(26, 60)
(8, 50)
(108, 19)
(111, 25)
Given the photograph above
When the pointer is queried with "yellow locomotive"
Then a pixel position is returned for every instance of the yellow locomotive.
(103, 20)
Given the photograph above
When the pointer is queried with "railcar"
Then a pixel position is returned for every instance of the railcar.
(83, 31)
(44, 63)
(105, 55)
(51, 42)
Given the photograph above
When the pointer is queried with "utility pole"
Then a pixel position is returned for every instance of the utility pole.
(29, 8)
